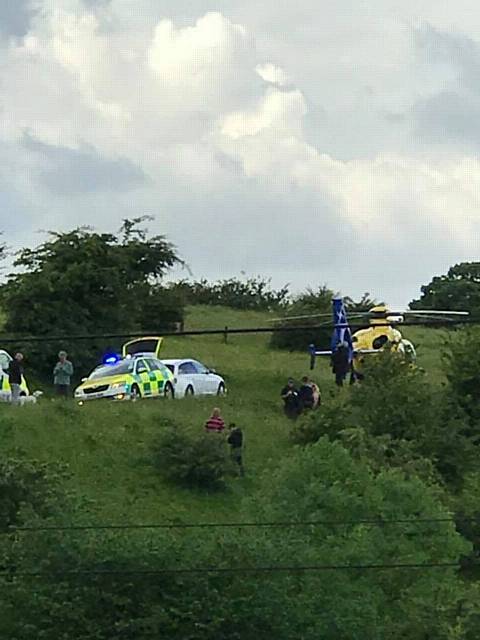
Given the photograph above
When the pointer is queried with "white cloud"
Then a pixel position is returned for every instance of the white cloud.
(240, 163)
(272, 74)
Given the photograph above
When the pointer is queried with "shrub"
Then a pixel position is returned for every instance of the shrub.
(310, 304)
(400, 418)
(194, 461)
(27, 486)
(253, 293)
(117, 585)
(139, 596)
(462, 368)
(325, 483)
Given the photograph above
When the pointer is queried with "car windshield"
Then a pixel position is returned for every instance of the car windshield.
(171, 367)
(112, 370)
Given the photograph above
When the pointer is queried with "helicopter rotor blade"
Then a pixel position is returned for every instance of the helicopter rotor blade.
(310, 315)
(434, 312)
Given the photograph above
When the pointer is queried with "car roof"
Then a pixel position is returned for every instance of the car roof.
(178, 360)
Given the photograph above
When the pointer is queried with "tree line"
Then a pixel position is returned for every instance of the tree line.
(86, 282)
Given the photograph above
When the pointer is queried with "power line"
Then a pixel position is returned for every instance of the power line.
(237, 570)
(8, 339)
(241, 525)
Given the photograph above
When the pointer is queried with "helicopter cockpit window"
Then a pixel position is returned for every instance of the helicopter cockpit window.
(380, 342)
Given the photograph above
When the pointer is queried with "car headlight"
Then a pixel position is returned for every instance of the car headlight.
(118, 385)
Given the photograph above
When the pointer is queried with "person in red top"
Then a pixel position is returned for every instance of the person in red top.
(215, 423)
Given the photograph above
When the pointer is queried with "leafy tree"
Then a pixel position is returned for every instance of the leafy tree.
(364, 304)
(88, 282)
(28, 487)
(462, 368)
(131, 600)
(400, 417)
(253, 293)
(323, 482)
(194, 461)
(458, 290)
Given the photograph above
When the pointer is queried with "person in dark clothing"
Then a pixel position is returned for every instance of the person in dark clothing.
(306, 394)
(235, 440)
(340, 364)
(291, 400)
(15, 373)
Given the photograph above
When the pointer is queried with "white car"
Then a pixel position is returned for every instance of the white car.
(192, 378)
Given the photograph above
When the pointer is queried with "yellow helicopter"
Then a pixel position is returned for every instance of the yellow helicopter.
(381, 333)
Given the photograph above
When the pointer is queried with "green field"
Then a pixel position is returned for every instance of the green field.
(106, 446)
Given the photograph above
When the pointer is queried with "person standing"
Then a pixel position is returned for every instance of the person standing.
(317, 400)
(340, 364)
(15, 373)
(291, 400)
(306, 394)
(215, 424)
(62, 374)
(235, 440)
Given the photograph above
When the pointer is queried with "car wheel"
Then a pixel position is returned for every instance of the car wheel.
(135, 393)
(221, 389)
(169, 391)
(189, 392)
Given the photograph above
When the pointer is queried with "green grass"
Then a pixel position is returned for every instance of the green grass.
(106, 445)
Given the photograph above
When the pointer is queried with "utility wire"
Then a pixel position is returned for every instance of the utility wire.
(8, 339)
(237, 570)
(240, 525)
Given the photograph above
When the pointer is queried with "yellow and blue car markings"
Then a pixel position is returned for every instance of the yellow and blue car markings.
(151, 382)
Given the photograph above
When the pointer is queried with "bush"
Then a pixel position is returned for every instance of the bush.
(28, 486)
(100, 585)
(310, 304)
(194, 461)
(462, 368)
(254, 294)
(400, 419)
(139, 596)
(325, 483)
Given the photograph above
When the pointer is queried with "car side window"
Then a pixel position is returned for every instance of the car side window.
(200, 367)
(186, 368)
(141, 366)
(153, 365)
(157, 365)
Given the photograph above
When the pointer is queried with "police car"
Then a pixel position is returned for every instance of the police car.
(137, 374)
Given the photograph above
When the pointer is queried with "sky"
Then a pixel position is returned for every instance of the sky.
(308, 142)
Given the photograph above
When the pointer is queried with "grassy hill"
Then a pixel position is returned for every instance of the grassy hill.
(106, 446)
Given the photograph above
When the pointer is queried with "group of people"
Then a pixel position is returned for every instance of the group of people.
(216, 424)
(62, 374)
(296, 400)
